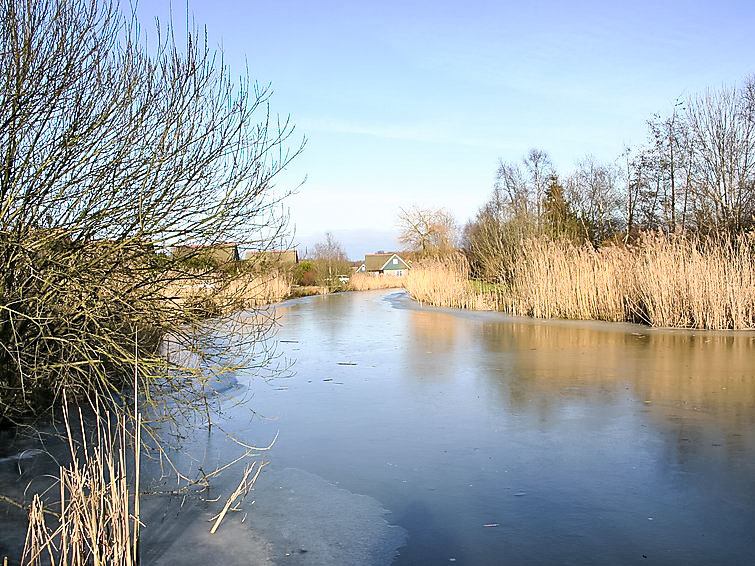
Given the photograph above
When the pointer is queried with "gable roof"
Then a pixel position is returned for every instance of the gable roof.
(274, 257)
(378, 262)
(375, 262)
(222, 253)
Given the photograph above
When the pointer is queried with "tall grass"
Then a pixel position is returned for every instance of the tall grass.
(660, 281)
(222, 296)
(98, 522)
(697, 285)
(561, 280)
(367, 282)
(444, 282)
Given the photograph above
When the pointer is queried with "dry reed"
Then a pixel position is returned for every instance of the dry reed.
(98, 521)
(245, 290)
(368, 282)
(444, 282)
(660, 281)
(561, 280)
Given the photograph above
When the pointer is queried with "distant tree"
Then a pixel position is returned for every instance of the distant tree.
(305, 273)
(427, 232)
(330, 261)
(540, 170)
(558, 218)
(722, 149)
(593, 191)
(697, 171)
(515, 193)
(492, 240)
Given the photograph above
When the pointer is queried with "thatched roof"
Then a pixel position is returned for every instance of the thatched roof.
(274, 257)
(220, 253)
(376, 262)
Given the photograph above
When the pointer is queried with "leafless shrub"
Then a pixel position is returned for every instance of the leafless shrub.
(110, 154)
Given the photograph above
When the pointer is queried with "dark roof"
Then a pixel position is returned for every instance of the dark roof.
(376, 262)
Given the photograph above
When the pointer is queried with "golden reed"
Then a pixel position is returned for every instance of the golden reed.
(660, 281)
(367, 282)
(98, 519)
(444, 282)
(245, 290)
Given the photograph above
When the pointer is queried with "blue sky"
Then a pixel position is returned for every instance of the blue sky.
(413, 103)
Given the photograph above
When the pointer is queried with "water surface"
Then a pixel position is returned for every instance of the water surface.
(492, 439)
(427, 436)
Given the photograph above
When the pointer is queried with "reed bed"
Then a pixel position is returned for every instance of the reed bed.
(444, 282)
(561, 280)
(221, 296)
(258, 290)
(660, 281)
(696, 285)
(367, 282)
(98, 522)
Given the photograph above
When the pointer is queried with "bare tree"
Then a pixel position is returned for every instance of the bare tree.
(722, 136)
(539, 168)
(492, 241)
(514, 190)
(331, 261)
(109, 154)
(593, 191)
(427, 231)
(666, 162)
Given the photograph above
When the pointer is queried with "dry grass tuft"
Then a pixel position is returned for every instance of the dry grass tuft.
(561, 280)
(98, 521)
(679, 283)
(222, 296)
(444, 282)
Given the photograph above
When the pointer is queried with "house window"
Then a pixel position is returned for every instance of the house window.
(395, 261)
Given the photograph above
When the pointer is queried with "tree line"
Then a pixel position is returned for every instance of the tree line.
(694, 176)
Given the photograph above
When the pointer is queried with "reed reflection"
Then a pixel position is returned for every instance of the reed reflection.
(433, 342)
(706, 372)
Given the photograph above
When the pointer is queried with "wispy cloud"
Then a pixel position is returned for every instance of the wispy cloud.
(423, 133)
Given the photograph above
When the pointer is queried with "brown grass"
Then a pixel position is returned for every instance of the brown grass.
(245, 290)
(444, 282)
(560, 280)
(668, 282)
(98, 521)
(367, 282)
(711, 285)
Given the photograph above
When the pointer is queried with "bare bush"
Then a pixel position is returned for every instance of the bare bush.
(111, 153)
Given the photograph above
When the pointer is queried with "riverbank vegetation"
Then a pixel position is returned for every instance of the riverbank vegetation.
(659, 281)
(112, 155)
(116, 149)
(97, 517)
(662, 236)
(369, 282)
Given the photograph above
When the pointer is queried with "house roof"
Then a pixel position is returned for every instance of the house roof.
(377, 262)
(282, 257)
(225, 252)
